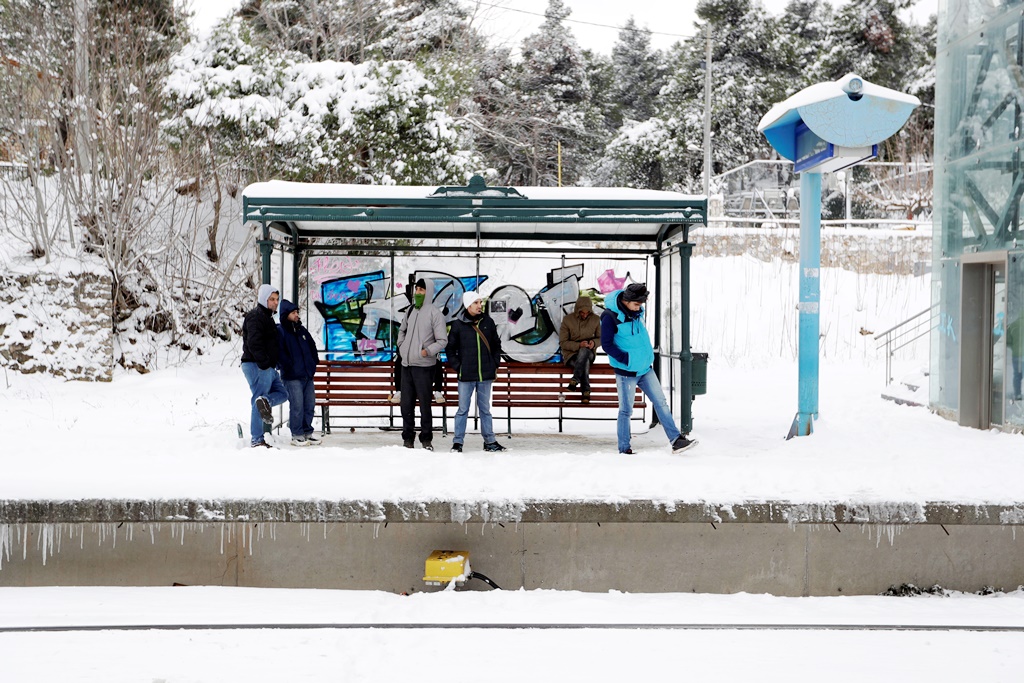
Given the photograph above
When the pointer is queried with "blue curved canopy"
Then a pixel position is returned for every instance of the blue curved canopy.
(832, 114)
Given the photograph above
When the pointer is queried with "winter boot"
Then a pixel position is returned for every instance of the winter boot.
(682, 444)
(266, 414)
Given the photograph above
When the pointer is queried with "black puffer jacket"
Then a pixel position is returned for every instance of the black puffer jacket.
(259, 338)
(467, 352)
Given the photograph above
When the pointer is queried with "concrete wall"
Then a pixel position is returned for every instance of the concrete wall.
(781, 559)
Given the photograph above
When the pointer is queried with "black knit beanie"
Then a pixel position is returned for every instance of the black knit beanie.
(635, 292)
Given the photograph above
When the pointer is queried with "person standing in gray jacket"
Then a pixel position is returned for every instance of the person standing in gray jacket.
(421, 338)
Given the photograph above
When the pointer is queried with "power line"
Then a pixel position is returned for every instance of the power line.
(587, 23)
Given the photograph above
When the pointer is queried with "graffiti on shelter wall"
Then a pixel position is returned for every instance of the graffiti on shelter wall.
(362, 313)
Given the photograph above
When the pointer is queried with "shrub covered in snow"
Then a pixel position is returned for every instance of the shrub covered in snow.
(281, 115)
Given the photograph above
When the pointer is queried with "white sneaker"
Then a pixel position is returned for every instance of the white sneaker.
(438, 397)
(313, 440)
(300, 442)
(396, 397)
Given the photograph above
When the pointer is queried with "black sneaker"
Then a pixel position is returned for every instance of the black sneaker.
(428, 447)
(494, 447)
(456, 448)
(682, 444)
(266, 414)
(628, 451)
(573, 385)
(261, 444)
(408, 444)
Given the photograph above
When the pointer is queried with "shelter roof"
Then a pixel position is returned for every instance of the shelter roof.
(475, 211)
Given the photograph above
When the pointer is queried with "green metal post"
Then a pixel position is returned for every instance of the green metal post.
(265, 251)
(686, 393)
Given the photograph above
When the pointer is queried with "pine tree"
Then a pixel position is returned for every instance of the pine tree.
(637, 77)
(749, 74)
(554, 108)
(429, 29)
(871, 40)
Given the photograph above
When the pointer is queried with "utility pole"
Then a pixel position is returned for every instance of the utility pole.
(83, 123)
(707, 112)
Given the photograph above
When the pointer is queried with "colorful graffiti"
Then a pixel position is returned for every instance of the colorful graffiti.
(362, 313)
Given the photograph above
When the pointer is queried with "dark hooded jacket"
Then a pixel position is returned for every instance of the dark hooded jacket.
(259, 336)
(468, 353)
(575, 329)
(298, 356)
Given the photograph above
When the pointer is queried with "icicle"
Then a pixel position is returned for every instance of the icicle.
(24, 545)
(222, 538)
(152, 535)
(5, 543)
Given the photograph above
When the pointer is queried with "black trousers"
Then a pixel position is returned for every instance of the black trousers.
(416, 383)
(581, 362)
(438, 374)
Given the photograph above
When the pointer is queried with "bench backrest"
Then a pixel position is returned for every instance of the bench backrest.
(526, 385)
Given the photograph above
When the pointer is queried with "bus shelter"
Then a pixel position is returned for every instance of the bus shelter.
(351, 252)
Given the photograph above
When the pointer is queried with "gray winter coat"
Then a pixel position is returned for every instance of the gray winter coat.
(423, 328)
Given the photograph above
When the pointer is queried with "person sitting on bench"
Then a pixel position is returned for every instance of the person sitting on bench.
(579, 337)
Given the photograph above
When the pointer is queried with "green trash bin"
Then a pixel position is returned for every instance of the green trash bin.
(699, 378)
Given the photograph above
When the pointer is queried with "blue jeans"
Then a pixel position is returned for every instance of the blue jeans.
(650, 385)
(262, 383)
(483, 405)
(301, 404)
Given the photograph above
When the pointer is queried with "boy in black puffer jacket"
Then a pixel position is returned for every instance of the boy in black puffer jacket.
(297, 359)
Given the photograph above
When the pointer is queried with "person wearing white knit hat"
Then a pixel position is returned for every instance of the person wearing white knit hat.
(474, 352)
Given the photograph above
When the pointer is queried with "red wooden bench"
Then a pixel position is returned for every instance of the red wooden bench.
(369, 384)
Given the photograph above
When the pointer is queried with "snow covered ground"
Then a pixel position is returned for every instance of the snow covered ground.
(571, 636)
(172, 434)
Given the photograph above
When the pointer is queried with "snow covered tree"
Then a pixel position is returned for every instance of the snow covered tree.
(638, 77)
(805, 37)
(425, 29)
(539, 104)
(749, 75)
(315, 28)
(374, 122)
(871, 40)
(367, 27)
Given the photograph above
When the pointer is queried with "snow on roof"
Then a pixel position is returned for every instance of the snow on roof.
(280, 189)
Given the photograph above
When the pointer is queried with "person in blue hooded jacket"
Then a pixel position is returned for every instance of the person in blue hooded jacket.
(297, 358)
(630, 353)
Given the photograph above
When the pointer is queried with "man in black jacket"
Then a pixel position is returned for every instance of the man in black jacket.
(259, 363)
(474, 352)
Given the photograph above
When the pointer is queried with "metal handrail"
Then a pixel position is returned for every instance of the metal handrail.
(894, 338)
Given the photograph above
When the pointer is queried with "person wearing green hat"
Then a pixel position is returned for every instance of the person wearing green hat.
(422, 336)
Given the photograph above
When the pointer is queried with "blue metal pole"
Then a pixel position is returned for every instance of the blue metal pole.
(810, 298)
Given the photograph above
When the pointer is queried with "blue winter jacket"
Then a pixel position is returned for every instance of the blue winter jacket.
(624, 337)
(297, 355)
